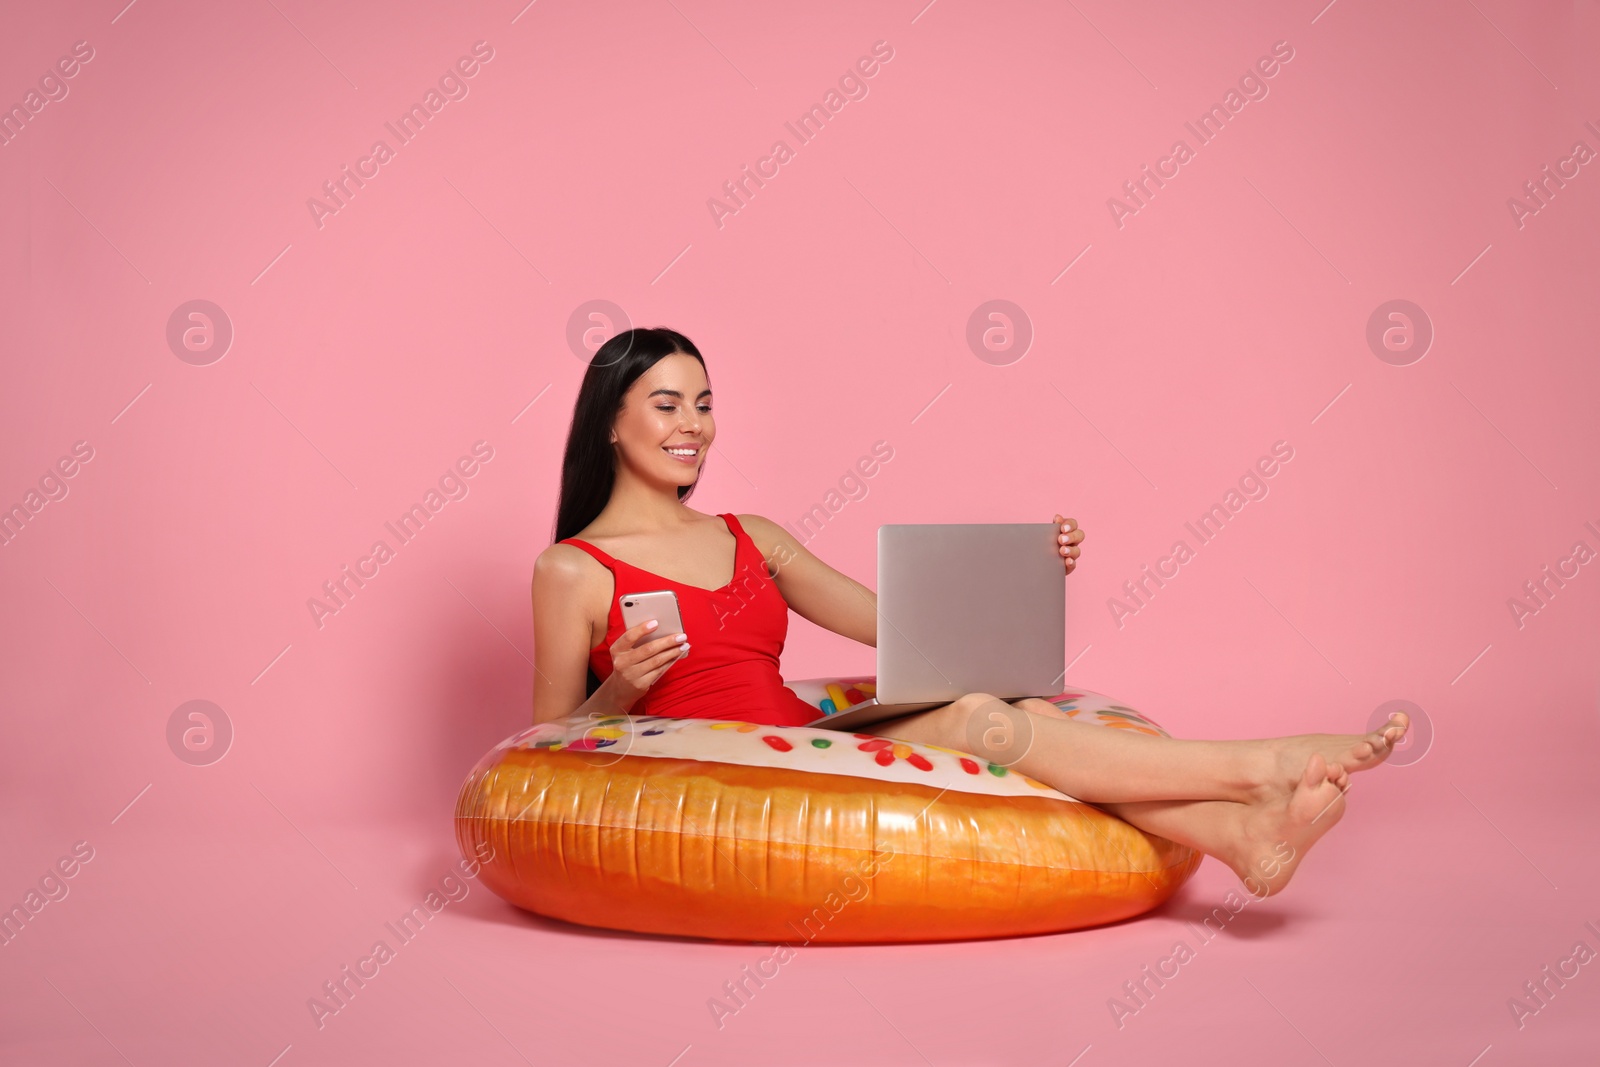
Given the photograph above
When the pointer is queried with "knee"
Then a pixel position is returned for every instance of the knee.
(973, 701)
(963, 710)
(986, 726)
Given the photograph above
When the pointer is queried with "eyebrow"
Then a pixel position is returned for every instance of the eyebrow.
(674, 392)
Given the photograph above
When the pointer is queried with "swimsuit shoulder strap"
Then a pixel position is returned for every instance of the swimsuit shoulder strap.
(739, 535)
(607, 560)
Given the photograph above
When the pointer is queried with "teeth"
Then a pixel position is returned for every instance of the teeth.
(683, 451)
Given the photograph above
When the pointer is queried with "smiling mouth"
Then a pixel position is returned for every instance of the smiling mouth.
(684, 454)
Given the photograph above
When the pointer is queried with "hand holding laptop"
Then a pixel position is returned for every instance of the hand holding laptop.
(1069, 539)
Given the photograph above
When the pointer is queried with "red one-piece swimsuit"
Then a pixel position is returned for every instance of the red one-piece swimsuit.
(736, 635)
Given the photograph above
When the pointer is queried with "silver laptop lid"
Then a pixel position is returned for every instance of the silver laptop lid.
(970, 608)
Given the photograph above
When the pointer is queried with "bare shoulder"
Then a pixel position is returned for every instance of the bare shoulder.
(767, 535)
(566, 568)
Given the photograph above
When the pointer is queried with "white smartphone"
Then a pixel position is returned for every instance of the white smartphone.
(661, 606)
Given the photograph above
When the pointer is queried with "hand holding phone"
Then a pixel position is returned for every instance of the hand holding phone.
(662, 606)
(638, 656)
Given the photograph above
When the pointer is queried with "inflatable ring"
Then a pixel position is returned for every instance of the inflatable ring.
(730, 830)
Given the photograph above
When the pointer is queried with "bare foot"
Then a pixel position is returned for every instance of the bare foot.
(1283, 759)
(1272, 835)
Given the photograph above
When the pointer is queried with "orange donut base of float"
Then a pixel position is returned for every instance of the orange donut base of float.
(791, 834)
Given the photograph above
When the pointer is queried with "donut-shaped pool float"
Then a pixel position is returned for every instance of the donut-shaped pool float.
(715, 828)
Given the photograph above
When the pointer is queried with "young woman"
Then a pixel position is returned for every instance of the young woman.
(639, 438)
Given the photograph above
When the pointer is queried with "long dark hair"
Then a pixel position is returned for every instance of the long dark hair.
(589, 466)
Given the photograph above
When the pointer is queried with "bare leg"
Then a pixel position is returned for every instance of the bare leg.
(1105, 766)
(1262, 843)
(1256, 805)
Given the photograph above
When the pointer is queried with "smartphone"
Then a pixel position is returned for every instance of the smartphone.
(661, 606)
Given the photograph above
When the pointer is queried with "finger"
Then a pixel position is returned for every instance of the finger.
(644, 649)
(629, 638)
(1074, 537)
(643, 674)
(649, 655)
(650, 679)
(664, 657)
(667, 658)
(665, 644)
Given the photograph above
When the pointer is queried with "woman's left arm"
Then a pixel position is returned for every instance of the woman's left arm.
(815, 591)
(835, 601)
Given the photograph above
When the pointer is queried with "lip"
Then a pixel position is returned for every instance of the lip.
(699, 450)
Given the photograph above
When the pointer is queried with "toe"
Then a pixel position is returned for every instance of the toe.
(1396, 728)
(1316, 771)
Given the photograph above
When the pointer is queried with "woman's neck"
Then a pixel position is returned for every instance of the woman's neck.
(637, 507)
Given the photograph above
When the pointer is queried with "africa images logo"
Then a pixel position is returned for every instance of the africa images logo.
(453, 85)
(1252, 86)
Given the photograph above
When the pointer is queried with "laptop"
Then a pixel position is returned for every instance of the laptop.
(964, 608)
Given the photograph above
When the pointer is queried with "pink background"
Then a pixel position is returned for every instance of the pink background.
(373, 350)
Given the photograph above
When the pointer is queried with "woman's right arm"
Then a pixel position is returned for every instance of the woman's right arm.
(561, 637)
(565, 587)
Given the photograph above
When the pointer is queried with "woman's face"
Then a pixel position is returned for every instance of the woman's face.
(665, 425)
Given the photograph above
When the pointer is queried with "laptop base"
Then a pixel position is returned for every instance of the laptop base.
(868, 712)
